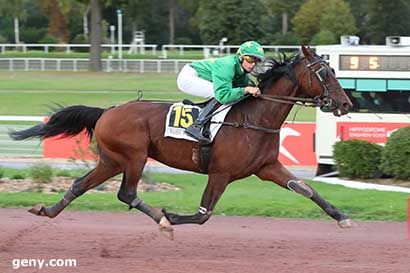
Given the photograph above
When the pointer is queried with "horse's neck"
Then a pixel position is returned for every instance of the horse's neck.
(276, 113)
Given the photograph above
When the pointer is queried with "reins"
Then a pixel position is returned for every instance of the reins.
(246, 125)
(306, 102)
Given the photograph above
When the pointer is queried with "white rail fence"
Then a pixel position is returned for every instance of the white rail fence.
(75, 47)
(224, 49)
(161, 65)
(206, 49)
(109, 65)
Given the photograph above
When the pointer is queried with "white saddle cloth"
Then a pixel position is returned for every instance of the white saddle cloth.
(181, 116)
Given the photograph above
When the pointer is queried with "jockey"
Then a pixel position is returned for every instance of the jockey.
(225, 79)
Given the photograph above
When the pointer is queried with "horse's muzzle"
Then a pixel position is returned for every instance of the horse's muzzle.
(337, 108)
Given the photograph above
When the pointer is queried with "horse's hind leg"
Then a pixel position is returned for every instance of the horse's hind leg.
(102, 172)
(128, 189)
(280, 175)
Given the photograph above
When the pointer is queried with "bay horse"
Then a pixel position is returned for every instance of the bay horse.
(130, 133)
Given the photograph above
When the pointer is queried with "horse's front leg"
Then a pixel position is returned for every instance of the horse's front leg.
(277, 173)
(216, 186)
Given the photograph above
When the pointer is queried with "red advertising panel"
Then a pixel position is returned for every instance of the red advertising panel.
(376, 132)
(296, 144)
(71, 148)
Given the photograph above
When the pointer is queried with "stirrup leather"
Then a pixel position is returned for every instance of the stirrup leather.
(195, 130)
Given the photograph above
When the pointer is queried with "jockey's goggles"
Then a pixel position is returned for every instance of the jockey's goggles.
(251, 59)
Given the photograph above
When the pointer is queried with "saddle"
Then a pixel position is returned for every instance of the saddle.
(199, 104)
(183, 114)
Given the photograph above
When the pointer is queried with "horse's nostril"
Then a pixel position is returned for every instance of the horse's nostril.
(347, 106)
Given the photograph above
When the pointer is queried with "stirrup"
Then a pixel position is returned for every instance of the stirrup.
(195, 131)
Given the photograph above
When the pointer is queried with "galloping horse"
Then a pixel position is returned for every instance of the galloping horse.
(130, 133)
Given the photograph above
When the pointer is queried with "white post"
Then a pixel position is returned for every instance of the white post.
(119, 16)
(16, 30)
(112, 38)
(221, 44)
(176, 66)
(109, 63)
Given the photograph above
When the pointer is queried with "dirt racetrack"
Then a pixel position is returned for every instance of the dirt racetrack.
(130, 242)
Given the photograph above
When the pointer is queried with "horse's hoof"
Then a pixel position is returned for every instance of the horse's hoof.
(346, 223)
(165, 228)
(38, 210)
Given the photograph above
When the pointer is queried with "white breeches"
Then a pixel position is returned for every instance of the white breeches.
(189, 82)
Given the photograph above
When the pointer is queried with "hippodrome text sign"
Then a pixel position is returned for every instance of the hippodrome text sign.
(376, 132)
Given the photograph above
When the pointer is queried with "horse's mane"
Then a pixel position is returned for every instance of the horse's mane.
(276, 67)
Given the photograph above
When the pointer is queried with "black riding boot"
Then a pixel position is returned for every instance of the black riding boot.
(195, 130)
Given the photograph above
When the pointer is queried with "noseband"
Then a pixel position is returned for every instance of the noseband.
(323, 100)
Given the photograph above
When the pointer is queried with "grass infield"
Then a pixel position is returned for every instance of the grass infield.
(247, 197)
(32, 93)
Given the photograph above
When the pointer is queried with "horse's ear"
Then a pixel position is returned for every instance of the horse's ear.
(306, 52)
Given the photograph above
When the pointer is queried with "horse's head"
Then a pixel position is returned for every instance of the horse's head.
(316, 79)
(314, 82)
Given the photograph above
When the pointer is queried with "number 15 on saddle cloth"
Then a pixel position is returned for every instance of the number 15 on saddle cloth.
(181, 116)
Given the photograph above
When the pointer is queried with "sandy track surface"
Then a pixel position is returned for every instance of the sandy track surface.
(130, 242)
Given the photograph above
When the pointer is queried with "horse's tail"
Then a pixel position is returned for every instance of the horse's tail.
(66, 122)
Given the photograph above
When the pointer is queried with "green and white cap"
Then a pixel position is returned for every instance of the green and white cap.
(251, 48)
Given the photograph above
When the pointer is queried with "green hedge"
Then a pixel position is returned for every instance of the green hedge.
(357, 158)
(396, 154)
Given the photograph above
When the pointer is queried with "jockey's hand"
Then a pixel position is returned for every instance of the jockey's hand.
(254, 91)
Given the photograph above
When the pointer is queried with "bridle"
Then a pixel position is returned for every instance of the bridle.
(323, 100)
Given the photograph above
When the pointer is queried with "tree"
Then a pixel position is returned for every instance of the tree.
(307, 20)
(151, 16)
(338, 19)
(360, 11)
(96, 35)
(15, 9)
(324, 37)
(284, 8)
(171, 9)
(57, 23)
(238, 20)
(388, 18)
(317, 15)
(186, 31)
(76, 13)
